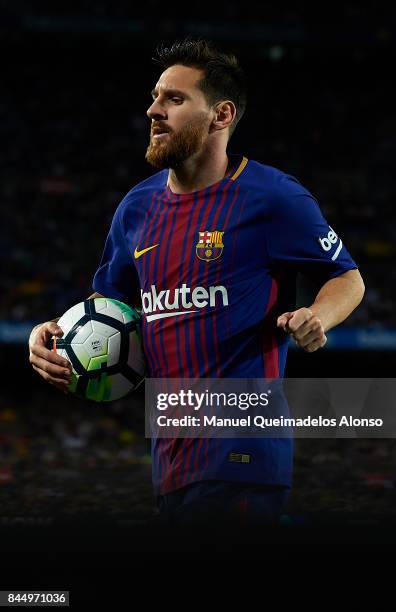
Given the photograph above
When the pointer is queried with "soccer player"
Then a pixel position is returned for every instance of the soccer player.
(213, 242)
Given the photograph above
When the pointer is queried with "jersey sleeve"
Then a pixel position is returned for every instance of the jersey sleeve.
(298, 235)
(116, 276)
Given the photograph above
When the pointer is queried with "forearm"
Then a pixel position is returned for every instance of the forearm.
(338, 298)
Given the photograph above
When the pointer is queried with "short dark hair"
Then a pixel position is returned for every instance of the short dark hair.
(223, 77)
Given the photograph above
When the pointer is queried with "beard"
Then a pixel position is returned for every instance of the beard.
(178, 146)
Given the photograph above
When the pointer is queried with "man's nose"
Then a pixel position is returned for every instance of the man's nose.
(156, 111)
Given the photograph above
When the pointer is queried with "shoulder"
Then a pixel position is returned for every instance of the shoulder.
(272, 182)
(142, 192)
(282, 195)
(147, 187)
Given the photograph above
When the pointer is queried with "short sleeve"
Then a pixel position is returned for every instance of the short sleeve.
(298, 236)
(116, 276)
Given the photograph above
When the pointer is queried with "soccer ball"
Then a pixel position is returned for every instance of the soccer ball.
(101, 339)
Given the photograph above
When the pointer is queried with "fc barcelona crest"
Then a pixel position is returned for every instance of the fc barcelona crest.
(210, 245)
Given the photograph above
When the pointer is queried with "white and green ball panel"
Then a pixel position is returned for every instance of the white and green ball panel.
(114, 347)
(96, 334)
(103, 388)
(68, 320)
(114, 308)
(107, 358)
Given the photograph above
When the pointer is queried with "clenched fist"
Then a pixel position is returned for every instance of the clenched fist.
(305, 327)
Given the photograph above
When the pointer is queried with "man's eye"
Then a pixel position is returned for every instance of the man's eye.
(177, 100)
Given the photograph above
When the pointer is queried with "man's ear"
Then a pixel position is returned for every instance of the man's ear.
(225, 113)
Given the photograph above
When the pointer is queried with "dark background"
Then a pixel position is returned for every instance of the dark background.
(75, 86)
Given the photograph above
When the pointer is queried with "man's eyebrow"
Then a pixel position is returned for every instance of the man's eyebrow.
(171, 91)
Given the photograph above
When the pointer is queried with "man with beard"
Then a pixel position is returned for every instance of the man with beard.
(214, 241)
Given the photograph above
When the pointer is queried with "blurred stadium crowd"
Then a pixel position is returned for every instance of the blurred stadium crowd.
(74, 133)
(70, 458)
(62, 460)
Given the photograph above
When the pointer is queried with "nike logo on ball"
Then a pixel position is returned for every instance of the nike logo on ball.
(138, 254)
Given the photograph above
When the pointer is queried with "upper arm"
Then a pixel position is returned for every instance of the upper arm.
(299, 236)
(116, 276)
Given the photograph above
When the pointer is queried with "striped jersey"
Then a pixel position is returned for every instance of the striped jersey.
(213, 270)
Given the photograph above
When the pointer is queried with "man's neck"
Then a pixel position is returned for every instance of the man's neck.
(198, 173)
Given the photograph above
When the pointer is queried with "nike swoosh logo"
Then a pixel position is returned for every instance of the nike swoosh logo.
(138, 254)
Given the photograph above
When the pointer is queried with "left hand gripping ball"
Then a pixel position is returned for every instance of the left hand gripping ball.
(101, 338)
